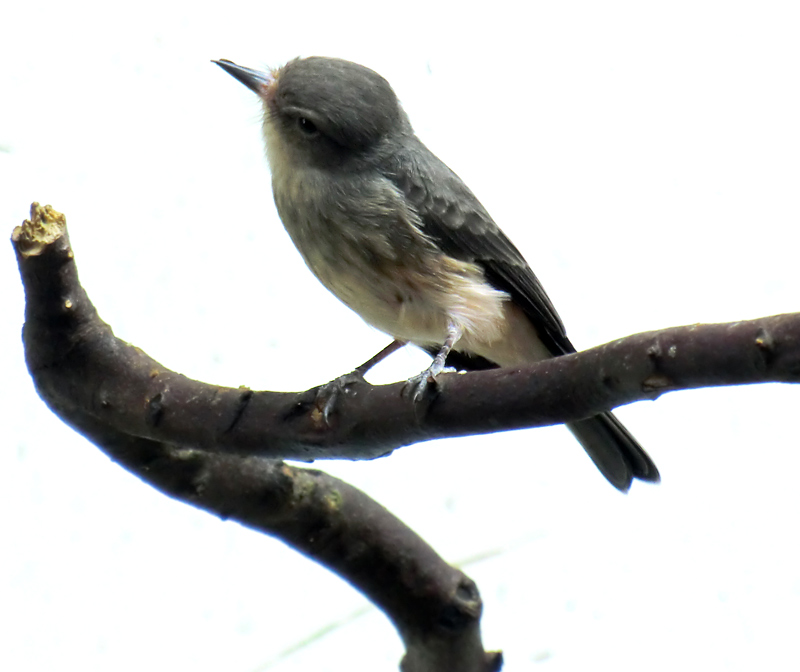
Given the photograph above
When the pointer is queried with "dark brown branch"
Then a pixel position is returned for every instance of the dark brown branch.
(436, 608)
(207, 445)
(121, 386)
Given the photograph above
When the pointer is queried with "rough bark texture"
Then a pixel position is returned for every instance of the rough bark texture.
(220, 448)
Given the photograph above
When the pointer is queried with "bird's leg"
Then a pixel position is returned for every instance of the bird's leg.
(417, 385)
(383, 354)
(328, 393)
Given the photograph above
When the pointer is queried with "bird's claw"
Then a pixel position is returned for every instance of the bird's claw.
(328, 394)
(417, 386)
(423, 384)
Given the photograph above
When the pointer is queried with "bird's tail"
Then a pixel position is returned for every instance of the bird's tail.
(616, 453)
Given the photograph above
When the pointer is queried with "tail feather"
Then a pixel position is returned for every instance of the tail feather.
(614, 451)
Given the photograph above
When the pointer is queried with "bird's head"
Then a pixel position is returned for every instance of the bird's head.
(322, 110)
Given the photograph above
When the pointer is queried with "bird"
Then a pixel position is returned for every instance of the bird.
(399, 238)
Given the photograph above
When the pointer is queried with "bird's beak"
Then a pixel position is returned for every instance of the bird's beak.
(252, 79)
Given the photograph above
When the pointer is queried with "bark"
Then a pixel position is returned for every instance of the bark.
(220, 448)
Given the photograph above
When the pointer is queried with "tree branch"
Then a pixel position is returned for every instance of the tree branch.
(436, 608)
(220, 448)
(120, 385)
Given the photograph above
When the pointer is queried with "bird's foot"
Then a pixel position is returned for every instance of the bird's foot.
(424, 384)
(328, 394)
(416, 386)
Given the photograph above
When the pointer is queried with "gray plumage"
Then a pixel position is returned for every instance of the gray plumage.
(399, 238)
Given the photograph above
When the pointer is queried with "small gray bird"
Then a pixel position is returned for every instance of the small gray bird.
(399, 238)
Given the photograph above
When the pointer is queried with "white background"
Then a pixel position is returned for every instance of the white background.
(645, 159)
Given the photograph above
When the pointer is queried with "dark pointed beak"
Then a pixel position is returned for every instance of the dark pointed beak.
(252, 79)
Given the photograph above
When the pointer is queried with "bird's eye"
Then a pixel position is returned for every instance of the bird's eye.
(307, 126)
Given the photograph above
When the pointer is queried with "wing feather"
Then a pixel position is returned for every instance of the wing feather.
(456, 221)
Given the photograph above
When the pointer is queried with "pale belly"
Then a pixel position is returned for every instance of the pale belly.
(418, 307)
